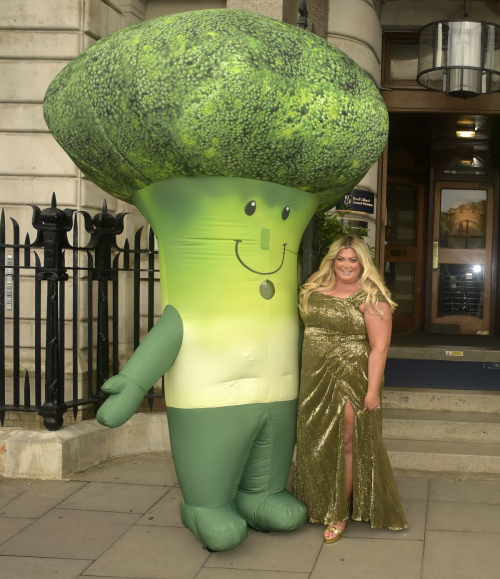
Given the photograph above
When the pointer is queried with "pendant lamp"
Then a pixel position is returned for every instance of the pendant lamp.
(460, 57)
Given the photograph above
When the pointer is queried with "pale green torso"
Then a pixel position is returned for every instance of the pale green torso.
(238, 347)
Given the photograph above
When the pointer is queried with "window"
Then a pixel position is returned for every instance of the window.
(465, 164)
(400, 60)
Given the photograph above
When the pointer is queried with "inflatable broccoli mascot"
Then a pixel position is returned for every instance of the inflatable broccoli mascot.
(227, 130)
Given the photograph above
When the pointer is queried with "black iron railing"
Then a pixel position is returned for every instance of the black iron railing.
(100, 264)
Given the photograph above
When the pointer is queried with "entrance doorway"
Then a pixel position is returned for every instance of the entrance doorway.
(437, 225)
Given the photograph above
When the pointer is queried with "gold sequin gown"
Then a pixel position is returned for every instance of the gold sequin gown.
(334, 369)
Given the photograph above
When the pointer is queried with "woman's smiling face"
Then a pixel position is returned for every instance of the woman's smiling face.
(347, 266)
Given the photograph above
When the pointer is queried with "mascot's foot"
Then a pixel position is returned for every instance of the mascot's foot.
(217, 528)
(271, 511)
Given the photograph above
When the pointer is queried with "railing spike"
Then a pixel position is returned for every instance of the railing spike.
(126, 255)
(27, 254)
(2, 227)
(53, 201)
(27, 389)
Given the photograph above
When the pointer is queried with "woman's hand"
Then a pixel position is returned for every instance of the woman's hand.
(372, 401)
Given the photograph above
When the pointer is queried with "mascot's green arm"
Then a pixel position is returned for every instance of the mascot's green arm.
(154, 357)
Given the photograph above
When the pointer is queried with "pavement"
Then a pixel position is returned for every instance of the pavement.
(121, 519)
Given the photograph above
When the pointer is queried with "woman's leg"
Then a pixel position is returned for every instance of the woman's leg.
(348, 437)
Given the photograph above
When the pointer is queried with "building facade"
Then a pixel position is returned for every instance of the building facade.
(435, 194)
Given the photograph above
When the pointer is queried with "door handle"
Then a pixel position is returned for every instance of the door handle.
(435, 255)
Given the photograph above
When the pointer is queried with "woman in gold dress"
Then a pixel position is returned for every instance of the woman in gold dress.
(342, 463)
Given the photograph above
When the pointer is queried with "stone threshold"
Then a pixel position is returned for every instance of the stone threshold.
(445, 353)
(56, 455)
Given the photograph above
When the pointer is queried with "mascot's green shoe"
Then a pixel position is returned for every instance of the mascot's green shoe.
(217, 528)
(271, 511)
(227, 130)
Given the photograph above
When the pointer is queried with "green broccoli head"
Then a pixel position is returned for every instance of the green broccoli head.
(217, 93)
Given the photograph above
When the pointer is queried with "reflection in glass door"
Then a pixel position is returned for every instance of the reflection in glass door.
(461, 279)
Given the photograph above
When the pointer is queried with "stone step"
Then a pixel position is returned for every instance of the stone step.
(435, 458)
(480, 427)
(442, 400)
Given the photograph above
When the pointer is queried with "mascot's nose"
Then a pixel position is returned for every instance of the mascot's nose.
(265, 236)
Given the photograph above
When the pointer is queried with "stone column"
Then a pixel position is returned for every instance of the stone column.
(37, 39)
(354, 27)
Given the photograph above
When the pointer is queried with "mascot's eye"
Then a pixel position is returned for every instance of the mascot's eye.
(285, 213)
(250, 207)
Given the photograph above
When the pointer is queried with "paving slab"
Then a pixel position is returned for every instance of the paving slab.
(11, 526)
(118, 498)
(296, 551)
(33, 498)
(248, 574)
(152, 553)
(66, 534)
(413, 488)
(465, 491)
(373, 558)
(166, 512)
(451, 555)
(415, 511)
(147, 469)
(473, 518)
(43, 568)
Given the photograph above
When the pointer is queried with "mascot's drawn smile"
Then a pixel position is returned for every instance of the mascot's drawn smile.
(253, 270)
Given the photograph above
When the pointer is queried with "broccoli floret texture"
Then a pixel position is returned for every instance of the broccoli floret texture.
(217, 93)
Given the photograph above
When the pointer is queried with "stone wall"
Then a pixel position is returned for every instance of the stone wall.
(37, 39)
(156, 8)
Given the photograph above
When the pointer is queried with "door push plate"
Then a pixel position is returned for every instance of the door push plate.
(435, 255)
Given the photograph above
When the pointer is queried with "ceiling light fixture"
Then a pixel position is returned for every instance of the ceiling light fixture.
(466, 130)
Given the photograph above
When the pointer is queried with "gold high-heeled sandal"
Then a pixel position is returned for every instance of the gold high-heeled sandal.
(336, 532)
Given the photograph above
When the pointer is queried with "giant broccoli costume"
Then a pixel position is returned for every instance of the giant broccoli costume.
(227, 130)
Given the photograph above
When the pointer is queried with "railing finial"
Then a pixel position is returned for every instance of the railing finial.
(303, 14)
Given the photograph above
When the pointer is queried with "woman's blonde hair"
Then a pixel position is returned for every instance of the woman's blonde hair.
(324, 280)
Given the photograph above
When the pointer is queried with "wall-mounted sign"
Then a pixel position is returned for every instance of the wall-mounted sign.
(358, 200)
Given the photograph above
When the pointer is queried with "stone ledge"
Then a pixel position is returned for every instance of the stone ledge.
(56, 455)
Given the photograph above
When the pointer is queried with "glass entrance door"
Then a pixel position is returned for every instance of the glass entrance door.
(461, 258)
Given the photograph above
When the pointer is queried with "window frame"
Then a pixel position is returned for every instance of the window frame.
(389, 39)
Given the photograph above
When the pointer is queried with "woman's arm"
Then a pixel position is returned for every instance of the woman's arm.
(379, 335)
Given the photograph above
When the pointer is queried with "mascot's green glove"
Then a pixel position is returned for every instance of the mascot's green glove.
(154, 357)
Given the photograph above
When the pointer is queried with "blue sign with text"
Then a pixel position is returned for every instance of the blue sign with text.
(358, 200)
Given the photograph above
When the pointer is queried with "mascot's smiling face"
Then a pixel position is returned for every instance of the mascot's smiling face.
(266, 231)
(246, 230)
